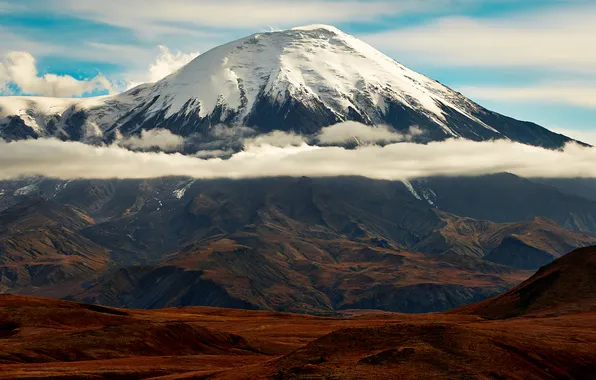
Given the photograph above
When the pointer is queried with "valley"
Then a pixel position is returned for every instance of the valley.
(552, 336)
(299, 245)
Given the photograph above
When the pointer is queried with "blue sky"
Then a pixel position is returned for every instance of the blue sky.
(533, 60)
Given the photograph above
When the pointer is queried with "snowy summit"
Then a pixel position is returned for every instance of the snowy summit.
(300, 80)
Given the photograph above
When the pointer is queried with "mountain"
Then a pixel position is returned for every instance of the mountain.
(297, 80)
(287, 244)
(508, 198)
(565, 286)
(290, 244)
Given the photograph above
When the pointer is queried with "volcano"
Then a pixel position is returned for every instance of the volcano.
(297, 80)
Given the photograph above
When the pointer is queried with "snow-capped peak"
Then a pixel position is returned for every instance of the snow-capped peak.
(299, 79)
(316, 63)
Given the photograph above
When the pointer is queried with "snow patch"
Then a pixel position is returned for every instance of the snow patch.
(411, 189)
(60, 186)
(27, 190)
(179, 193)
(430, 196)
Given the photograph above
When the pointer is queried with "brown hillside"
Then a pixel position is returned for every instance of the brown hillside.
(567, 285)
(50, 339)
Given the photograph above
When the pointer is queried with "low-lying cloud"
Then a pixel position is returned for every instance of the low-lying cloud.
(161, 139)
(354, 132)
(398, 161)
(275, 138)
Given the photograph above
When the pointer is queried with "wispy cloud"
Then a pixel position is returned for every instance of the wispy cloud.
(176, 16)
(558, 39)
(583, 135)
(6, 7)
(10, 41)
(581, 94)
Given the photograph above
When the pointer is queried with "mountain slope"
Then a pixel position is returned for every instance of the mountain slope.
(525, 245)
(566, 286)
(296, 80)
(429, 349)
(300, 244)
(40, 246)
(508, 198)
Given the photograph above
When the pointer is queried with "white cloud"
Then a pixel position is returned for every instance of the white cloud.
(168, 62)
(586, 136)
(400, 161)
(162, 139)
(213, 153)
(559, 38)
(144, 65)
(359, 133)
(19, 69)
(276, 138)
(156, 16)
(581, 94)
(129, 55)
(10, 41)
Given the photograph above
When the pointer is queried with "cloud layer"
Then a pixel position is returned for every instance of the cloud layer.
(586, 136)
(582, 94)
(18, 69)
(556, 39)
(399, 161)
(151, 16)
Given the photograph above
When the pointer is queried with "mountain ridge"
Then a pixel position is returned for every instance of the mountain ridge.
(305, 245)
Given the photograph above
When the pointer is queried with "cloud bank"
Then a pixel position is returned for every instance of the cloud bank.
(18, 69)
(399, 161)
